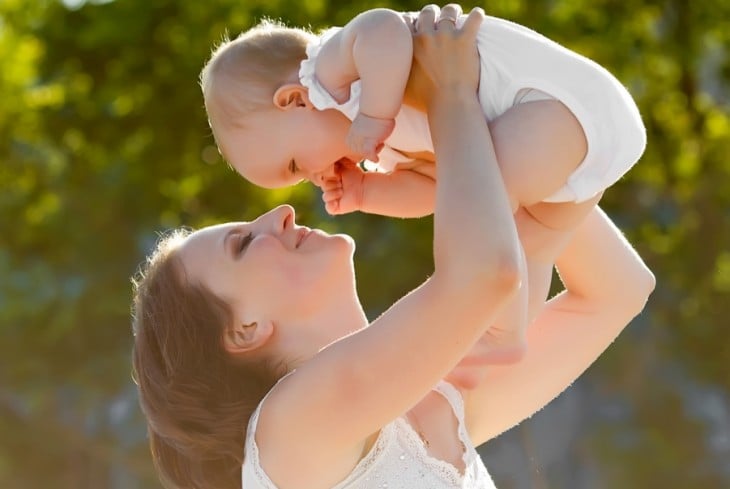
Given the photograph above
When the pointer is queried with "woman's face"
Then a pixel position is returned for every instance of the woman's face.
(269, 266)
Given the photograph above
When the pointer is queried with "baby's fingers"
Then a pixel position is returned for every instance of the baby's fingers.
(332, 207)
(331, 199)
(371, 149)
(331, 184)
(332, 195)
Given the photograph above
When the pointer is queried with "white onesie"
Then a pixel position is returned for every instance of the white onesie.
(520, 65)
(398, 459)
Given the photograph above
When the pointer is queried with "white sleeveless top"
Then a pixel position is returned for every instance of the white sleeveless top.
(397, 460)
(519, 65)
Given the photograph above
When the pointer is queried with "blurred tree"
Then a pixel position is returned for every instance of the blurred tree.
(104, 143)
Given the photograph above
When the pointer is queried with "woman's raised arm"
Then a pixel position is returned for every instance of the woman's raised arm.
(607, 285)
(360, 383)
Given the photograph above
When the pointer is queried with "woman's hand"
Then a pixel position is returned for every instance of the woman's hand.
(444, 56)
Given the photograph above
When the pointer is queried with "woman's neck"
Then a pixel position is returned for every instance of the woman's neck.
(310, 335)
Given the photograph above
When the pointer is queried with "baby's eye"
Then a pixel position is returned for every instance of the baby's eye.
(293, 168)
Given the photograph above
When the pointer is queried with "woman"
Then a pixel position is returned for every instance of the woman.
(252, 348)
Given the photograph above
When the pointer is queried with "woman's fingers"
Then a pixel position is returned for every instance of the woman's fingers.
(426, 22)
(444, 54)
(451, 11)
(472, 23)
(431, 19)
(448, 17)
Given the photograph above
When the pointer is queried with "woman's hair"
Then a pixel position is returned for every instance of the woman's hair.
(196, 397)
(242, 75)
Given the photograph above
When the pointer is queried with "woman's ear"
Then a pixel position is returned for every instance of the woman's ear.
(292, 95)
(241, 338)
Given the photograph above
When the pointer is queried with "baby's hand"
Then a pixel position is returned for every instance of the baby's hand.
(367, 135)
(343, 193)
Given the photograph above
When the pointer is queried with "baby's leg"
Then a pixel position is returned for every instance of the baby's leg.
(538, 145)
(505, 341)
(563, 216)
(544, 231)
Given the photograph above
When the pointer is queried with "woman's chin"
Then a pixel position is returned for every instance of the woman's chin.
(346, 240)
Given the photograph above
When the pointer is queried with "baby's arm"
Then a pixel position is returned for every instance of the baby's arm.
(401, 193)
(375, 47)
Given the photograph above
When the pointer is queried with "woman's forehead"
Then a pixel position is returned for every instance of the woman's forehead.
(221, 228)
(210, 235)
(203, 249)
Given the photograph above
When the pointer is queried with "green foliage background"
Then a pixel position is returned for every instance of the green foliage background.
(104, 143)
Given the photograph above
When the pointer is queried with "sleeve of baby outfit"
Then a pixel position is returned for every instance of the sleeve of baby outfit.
(321, 98)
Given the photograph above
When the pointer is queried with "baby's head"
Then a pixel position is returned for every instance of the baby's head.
(260, 114)
(242, 75)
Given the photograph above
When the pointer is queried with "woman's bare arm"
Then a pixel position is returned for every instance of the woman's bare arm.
(335, 401)
(607, 285)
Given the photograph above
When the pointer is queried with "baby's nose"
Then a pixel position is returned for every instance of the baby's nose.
(317, 179)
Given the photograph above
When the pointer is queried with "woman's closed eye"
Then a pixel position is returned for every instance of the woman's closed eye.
(243, 241)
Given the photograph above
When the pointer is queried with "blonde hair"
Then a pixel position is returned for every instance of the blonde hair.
(196, 397)
(242, 75)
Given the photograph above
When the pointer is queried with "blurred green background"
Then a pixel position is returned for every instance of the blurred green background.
(104, 143)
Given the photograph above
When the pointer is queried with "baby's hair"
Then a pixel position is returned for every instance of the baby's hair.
(242, 74)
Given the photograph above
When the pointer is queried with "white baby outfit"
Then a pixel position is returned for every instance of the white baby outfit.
(397, 460)
(520, 65)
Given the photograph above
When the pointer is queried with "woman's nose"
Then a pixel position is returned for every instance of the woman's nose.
(283, 217)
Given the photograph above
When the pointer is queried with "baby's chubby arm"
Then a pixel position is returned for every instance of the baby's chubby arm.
(375, 47)
(406, 192)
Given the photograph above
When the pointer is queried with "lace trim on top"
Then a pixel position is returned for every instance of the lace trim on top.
(414, 444)
(374, 455)
(385, 441)
(321, 98)
(251, 451)
(446, 469)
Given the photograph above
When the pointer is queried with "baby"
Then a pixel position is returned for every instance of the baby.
(286, 105)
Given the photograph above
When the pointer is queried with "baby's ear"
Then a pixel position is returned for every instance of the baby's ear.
(292, 95)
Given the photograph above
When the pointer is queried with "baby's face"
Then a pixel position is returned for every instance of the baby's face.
(280, 148)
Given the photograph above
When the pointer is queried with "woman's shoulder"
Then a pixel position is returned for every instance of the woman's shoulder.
(280, 432)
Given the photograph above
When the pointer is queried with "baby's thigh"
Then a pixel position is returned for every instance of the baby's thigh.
(539, 278)
(538, 145)
(546, 228)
